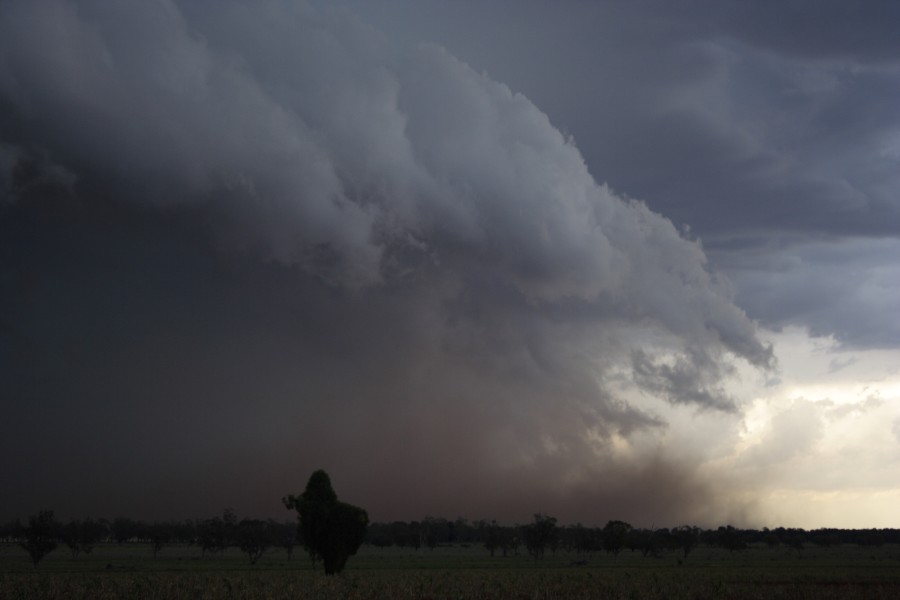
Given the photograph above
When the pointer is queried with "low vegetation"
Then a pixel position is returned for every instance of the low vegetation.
(456, 572)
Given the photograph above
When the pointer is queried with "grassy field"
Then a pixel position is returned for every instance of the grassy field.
(456, 573)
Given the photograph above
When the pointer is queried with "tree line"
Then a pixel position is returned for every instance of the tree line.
(331, 531)
(543, 534)
(43, 533)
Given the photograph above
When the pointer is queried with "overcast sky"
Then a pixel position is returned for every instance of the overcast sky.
(634, 260)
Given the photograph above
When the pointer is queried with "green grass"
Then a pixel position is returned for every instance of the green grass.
(456, 573)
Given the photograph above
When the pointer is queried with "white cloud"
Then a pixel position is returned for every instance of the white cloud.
(822, 436)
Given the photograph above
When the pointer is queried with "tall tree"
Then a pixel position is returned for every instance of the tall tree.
(41, 535)
(331, 531)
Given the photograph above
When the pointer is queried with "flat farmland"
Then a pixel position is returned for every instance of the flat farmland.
(454, 572)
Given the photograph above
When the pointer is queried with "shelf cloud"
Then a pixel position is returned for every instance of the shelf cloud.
(242, 241)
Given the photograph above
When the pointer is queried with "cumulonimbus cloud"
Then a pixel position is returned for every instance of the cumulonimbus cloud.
(407, 195)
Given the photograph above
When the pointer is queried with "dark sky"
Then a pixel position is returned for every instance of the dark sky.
(472, 258)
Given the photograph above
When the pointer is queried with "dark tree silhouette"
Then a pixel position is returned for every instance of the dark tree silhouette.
(414, 534)
(284, 536)
(434, 531)
(11, 531)
(379, 535)
(730, 538)
(70, 534)
(493, 537)
(792, 538)
(124, 529)
(331, 531)
(648, 542)
(254, 537)
(539, 534)
(160, 535)
(581, 539)
(216, 534)
(615, 534)
(40, 537)
(82, 536)
(686, 537)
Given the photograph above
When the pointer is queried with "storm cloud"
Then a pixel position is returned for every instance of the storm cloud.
(769, 128)
(241, 242)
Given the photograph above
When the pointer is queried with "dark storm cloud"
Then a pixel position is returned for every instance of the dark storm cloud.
(692, 379)
(862, 32)
(846, 288)
(742, 120)
(242, 242)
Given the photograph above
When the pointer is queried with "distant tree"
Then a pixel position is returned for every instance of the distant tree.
(207, 537)
(464, 532)
(400, 536)
(581, 539)
(160, 536)
(284, 536)
(664, 539)
(615, 534)
(435, 531)
(11, 530)
(539, 534)
(870, 537)
(685, 537)
(229, 524)
(82, 536)
(511, 541)
(493, 536)
(379, 535)
(216, 534)
(415, 534)
(730, 538)
(649, 542)
(254, 537)
(40, 537)
(331, 531)
(792, 538)
(184, 532)
(123, 529)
